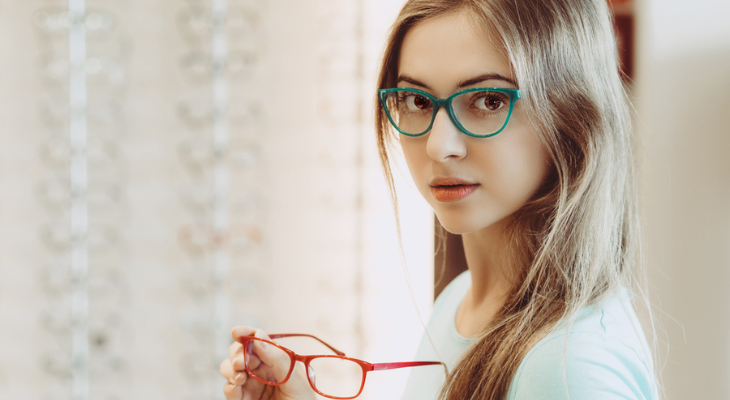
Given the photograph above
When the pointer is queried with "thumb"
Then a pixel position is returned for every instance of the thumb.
(276, 360)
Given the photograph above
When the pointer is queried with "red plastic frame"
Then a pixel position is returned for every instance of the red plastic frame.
(366, 366)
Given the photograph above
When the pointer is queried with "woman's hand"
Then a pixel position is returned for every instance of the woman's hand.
(240, 386)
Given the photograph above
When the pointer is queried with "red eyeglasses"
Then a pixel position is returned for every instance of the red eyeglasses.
(333, 376)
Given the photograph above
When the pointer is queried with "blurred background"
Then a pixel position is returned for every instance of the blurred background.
(172, 168)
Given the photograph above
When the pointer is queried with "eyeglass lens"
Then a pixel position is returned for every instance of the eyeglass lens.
(479, 112)
(332, 376)
(266, 362)
(336, 377)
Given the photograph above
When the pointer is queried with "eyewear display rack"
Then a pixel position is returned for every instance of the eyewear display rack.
(82, 314)
(221, 261)
(211, 156)
(79, 209)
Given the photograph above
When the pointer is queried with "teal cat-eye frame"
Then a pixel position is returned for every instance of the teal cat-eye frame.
(477, 112)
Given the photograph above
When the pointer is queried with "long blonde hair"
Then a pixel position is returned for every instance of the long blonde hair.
(577, 240)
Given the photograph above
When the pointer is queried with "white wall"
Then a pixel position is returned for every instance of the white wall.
(683, 102)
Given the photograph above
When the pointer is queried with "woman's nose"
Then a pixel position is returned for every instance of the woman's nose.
(445, 141)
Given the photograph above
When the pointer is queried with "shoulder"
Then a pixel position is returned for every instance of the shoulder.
(603, 355)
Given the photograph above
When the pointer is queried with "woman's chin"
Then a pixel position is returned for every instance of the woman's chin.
(458, 226)
(462, 224)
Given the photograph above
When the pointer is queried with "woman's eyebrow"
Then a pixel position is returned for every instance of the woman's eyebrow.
(462, 84)
(486, 77)
(412, 81)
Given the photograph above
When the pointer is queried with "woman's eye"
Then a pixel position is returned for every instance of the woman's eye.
(415, 102)
(491, 101)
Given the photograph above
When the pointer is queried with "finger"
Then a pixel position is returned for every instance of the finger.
(233, 392)
(234, 349)
(239, 361)
(261, 349)
(255, 390)
(261, 335)
(235, 356)
(251, 358)
(269, 355)
(275, 363)
(232, 376)
(242, 330)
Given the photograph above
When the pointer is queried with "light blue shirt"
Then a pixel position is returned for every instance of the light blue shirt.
(605, 357)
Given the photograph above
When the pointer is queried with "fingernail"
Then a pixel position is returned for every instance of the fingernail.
(239, 377)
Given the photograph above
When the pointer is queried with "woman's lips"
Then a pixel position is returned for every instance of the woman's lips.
(449, 189)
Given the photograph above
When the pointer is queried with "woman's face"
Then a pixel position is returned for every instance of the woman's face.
(471, 183)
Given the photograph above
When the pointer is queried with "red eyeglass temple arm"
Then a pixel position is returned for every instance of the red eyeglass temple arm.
(386, 366)
(284, 335)
(373, 367)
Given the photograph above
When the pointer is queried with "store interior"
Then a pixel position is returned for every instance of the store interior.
(229, 175)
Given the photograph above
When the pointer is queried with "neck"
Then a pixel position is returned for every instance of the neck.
(485, 252)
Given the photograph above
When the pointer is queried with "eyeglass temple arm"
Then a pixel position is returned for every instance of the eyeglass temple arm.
(284, 335)
(386, 366)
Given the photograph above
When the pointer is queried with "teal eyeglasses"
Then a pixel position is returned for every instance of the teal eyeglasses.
(478, 112)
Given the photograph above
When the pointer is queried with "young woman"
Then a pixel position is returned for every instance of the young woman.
(515, 127)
